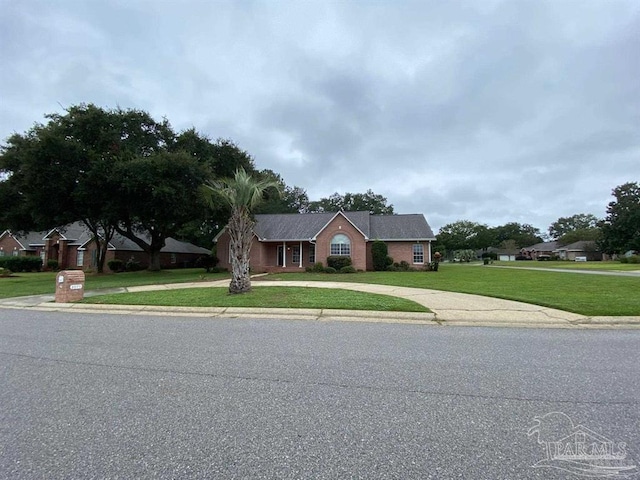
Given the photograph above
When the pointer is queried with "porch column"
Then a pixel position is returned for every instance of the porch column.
(284, 254)
(300, 255)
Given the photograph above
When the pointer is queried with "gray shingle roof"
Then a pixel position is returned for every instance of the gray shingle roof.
(400, 227)
(79, 235)
(579, 246)
(305, 226)
(29, 240)
(290, 226)
(171, 245)
(544, 246)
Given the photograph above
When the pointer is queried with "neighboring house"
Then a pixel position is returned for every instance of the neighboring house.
(507, 255)
(546, 250)
(290, 242)
(543, 249)
(31, 243)
(584, 250)
(73, 248)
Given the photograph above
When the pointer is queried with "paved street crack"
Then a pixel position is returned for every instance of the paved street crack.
(323, 384)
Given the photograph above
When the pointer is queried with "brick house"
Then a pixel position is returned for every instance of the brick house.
(290, 242)
(72, 247)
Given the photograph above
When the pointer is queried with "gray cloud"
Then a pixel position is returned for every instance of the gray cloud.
(492, 111)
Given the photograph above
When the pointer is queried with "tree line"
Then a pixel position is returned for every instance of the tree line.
(121, 171)
(617, 233)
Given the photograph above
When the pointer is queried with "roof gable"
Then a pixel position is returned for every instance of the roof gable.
(352, 217)
(26, 240)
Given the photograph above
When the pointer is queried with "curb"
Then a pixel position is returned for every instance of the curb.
(326, 315)
(331, 315)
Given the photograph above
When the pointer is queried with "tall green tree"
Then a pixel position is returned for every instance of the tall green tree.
(222, 158)
(522, 233)
(242, 193)
(158, 193)
(581, 234)
(60, 172)
(621, 227)
(283, 198)
(466, 235)
(579, 221)
(116, 170)
(353, 202)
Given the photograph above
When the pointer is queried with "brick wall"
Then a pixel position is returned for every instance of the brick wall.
(358, 244)
(8, 245)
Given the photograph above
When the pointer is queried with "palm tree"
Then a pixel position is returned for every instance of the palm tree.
(242, 193)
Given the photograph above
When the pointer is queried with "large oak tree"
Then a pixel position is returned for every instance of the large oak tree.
(116, 170)
(621, 228)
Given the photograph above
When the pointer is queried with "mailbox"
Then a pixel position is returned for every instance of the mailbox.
(69, 286)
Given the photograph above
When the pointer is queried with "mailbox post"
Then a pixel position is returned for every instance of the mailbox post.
(69, 286)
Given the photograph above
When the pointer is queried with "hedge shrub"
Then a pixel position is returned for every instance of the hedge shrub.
(403, 266)
(133, 265)
(338, 262)
(348, 269)
(116, 265)
(330, 270)
(29, 263)
(208, 263)
(630, 259)
(380, 256)
(315, 268)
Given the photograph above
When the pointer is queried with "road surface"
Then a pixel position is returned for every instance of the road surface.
(113, 396)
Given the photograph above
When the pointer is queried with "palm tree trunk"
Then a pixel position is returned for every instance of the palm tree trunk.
(241, 235)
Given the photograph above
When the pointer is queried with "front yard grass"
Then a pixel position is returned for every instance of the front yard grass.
(574, 292)
(20, 284)
(265, 297)
(579, 293)
(609, 266)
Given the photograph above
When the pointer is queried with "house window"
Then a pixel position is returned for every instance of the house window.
(1, 253)
(418, 253)
(173, 258)
(16, 253)
(295, 255)
(80, 258)
(340, 245)
(312, 254)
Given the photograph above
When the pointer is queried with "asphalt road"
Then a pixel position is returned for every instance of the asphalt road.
(112, 396)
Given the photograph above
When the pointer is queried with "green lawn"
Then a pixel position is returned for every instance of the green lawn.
(580, 293)
(20, 284)
(611, 266)
(574, 292)
(265, 297)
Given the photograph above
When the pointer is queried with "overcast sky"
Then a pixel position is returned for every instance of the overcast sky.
(492, 111)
